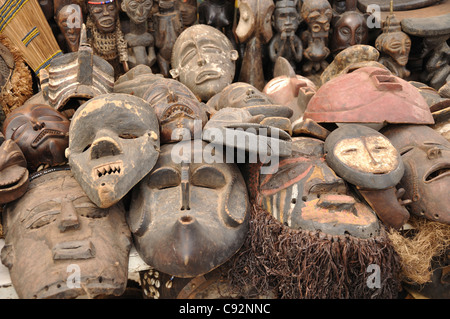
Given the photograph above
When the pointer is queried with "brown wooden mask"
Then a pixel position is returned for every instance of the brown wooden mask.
(41, 132)
(203, 59)
(69, 19)
(349, 29)
(426, 156)
(114, 143)
(59, 244)
(103, 14)
(187, 216)
(305, 193)
(13, 171)
(246, 96)
(176, 107)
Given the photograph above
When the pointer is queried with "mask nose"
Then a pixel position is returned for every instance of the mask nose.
(68, 217)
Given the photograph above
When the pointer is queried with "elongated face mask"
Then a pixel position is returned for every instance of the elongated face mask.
(110, 152)
(426, 156)
(189, 215)
(13, 171)
(75, 247)
(41, 132)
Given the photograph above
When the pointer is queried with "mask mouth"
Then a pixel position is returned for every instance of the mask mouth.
(177, 110)
(80, 249)
(45, 134)
(206, 76)
(108, 169)
(437, 172)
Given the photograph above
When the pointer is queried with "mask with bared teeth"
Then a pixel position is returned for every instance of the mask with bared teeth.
(114, 143)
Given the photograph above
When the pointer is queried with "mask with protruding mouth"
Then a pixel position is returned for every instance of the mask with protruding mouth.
(177, 110)
(207, 75)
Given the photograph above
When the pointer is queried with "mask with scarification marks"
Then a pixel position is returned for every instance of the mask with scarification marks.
(114, 143)
(41, 132)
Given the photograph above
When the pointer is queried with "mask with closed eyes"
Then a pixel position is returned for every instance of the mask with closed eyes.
(189, 215)
(41, 132)
(59, 244)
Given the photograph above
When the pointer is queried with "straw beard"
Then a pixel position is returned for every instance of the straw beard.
(19, 85)
(302, 264)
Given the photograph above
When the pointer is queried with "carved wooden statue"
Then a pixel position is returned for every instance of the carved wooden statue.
(140, 42)
(254, 29)
(188, 10)
(69, 19)
(349, 28)
(317, 14)
(218, 14)
(105, 34)
(168, 26)
(285, 42)
(394, 46)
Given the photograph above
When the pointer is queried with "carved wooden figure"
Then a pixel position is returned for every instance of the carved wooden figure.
(168, 26)
(105, 34)
(140, 42)
(254, 29)
(349, 28)
(59, 244)
(69, 20)
(188, 10)
(317, 14)
(285, 43)
(394, 46)
(218, 14)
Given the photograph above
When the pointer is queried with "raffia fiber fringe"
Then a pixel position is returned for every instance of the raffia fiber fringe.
(312, 265)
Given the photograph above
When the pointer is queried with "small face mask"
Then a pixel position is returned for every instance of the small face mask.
(41, 132)
(176, 107)
(75, 248)
(426, 156)
(13, 171)
(190, 214)
(104, 15)
(203, 59)
(110, 152)
(350, 29)
(305, 193)
(69, 19)
(363, 157)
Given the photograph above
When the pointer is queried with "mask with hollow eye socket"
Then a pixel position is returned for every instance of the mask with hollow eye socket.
(190, 214)
(426, 156)
(111, 151)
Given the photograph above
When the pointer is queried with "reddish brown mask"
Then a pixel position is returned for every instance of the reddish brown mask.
(305, 193)
(426, 155)
(41, 132)
(113, 144)
(176, 107)
(59, 244)
(13, 171)
(188, 218)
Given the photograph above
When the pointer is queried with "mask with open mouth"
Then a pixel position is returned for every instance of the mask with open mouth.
(110, 152)
(426, 156)
(41, 132)
(176, 107)
(189, 214)
(203, 59)
(59, 244)
(13, 171)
